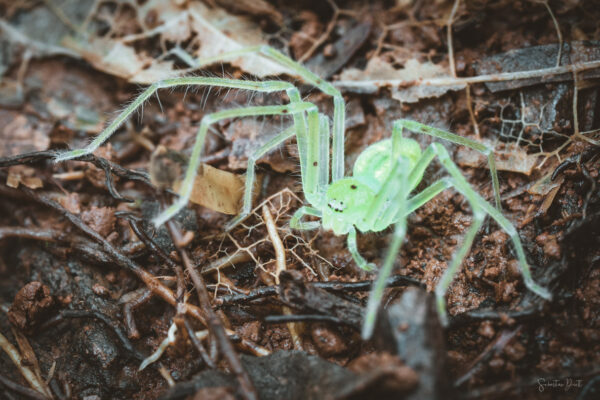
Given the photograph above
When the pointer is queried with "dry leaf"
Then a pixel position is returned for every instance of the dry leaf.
(116, 58)
(545, 184)
(220, 32)
(511, 158)
(21, 174)
(215, 189)
(218, 190)
(412, 73)
(215, 30)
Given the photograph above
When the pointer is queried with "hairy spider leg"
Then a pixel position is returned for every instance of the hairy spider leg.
(418, 127)
(353, 249)
(480, 208)
(320, 152)
(309, 179)
(265, 87)
(300, 130)
(398, 176)
(394, 187)
(273, 143)
(296, 220)
(383, 211)
(339, 106)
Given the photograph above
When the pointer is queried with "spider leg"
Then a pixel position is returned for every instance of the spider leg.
(209, 119)
(324, 138)
(266, 87)
(339, 106)
(296, 220)
(313, 147)
(353, 248)
(273, 143)
(480, 207)
(399, 175)
(442, 286)
(418, 127)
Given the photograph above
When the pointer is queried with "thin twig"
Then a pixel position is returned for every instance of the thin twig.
(119, 258)
(280, 319)
(280, 267)
(372, 85)
(213, 322)
(129, 308)
(471, 113)
(325, 35)
(25, 391)
(332, 286)
(198, 344)
(449, 33)
(495, 347)
(27, 373)
(558, 32)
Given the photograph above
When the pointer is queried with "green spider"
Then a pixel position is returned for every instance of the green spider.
(378, 194)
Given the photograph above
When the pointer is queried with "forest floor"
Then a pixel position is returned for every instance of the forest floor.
(89, 289)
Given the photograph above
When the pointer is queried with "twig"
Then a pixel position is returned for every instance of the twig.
(63, 17)
(27, 373)
(325, 35)
(198, 344)
(281, 266)
(495, 347)
(108, 167)
(558, 32)
(109, 322)
(449, 33)
(25, 391)
(213, 322)
(471, 113)
(38, 48)
(129, 308)
(333, 286)
(119, 258)
(280, 319)
(485, 315)
(134, 223)
(372, 85)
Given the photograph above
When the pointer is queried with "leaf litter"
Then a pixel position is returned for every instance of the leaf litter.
(180, 29)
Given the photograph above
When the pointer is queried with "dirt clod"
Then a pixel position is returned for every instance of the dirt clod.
(30, 306)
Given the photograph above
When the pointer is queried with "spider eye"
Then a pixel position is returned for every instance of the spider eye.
(337, 206)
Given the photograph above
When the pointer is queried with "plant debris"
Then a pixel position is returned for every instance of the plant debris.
(91, 291)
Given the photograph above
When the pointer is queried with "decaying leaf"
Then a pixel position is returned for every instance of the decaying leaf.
(213, 29)
(512, 158)
(413, 72)
(116, 58)
(218, 190)
(213, 188)
(220, 32)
